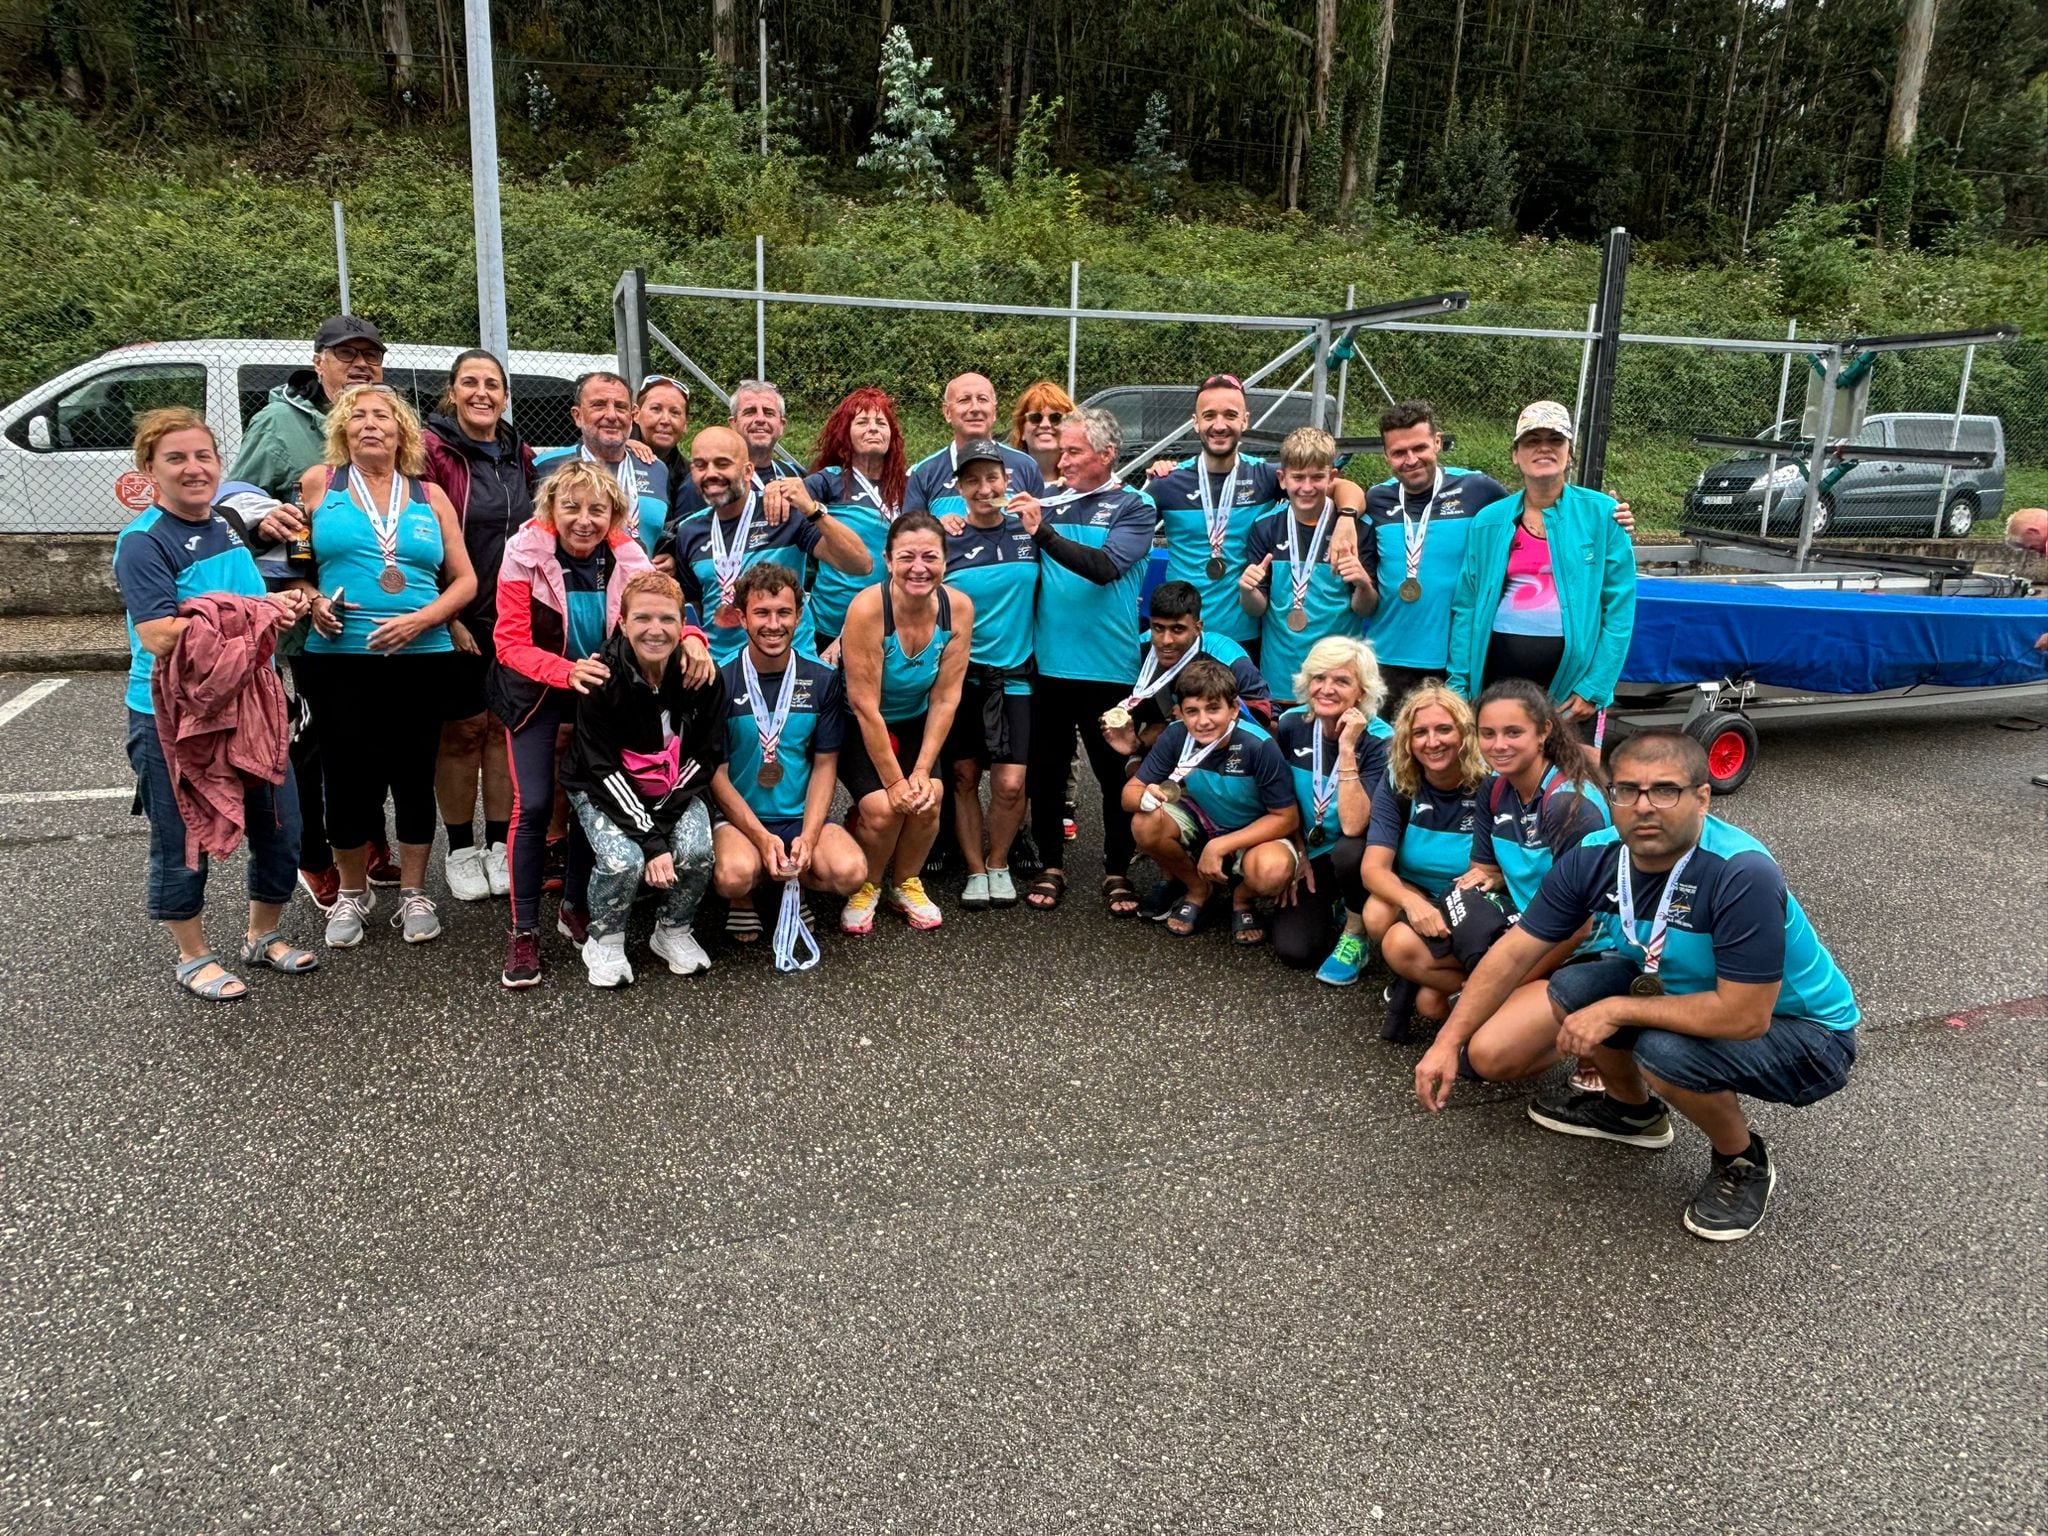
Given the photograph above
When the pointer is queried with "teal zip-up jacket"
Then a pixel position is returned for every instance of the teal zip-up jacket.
(1594, 563)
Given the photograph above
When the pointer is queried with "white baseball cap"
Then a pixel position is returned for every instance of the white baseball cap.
(1544, 416)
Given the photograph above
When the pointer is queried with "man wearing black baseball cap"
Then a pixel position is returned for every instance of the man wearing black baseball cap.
(289, 435)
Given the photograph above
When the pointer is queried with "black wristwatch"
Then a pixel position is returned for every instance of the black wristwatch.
(817, 511)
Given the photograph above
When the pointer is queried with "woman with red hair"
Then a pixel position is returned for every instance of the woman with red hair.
(857, 473)
(1035, 424)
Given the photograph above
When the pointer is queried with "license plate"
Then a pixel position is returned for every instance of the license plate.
(1717, 501)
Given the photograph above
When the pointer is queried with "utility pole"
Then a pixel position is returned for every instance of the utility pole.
(494, 332)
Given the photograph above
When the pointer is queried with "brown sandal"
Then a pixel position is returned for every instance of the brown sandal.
(1119, 896)
(1050, 886)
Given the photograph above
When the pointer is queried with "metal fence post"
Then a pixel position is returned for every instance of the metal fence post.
(1763, 527)
(341, 256)
(629, 324)
(1816, 471)
(1319, 400)
(1606, 350)
(1344, 367)
(763, 8)
(1074, 333)
(494, 330)
(1585, 362)
(760, 306)
(1955, 434)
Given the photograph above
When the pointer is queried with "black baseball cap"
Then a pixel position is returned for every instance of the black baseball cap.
(979, 450)
(340, 328)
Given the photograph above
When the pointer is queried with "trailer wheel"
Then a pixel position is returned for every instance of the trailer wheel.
(1730, 742)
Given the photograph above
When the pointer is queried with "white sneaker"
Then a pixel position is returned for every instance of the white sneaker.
(468, 877)
(605, 960)
(679, 947)
(498, 866)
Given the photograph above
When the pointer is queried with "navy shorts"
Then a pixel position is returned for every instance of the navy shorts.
(1796, 1061)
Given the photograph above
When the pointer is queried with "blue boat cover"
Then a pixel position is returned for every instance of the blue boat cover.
(1832, 642)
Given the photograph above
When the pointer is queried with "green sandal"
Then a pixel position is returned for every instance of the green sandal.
(293, 962)
(214, 991)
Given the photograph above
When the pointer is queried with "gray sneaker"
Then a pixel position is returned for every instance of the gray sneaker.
(417, 917)
(345, 918)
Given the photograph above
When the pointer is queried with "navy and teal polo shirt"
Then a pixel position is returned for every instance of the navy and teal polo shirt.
(650, 512)
(1328, 601)
(1418, 634)
(1178, 496)
(933, 478)
(1242, 780)
(1162, 708)
(1732, 916)
(689, 499)
(159, 562)
(997, 568)
(790, 542)
(1085, 630)
(1431, 835)
(1295, 734)
(1522, 841)
(816, 723)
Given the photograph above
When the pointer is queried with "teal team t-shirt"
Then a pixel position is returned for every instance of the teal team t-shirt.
(1083, 629)
(998, 570)
(160, 561)
(1327, 602)
(1418, 634)
(1179, 498)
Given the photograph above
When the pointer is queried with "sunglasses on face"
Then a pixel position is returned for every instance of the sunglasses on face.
(1044, 418)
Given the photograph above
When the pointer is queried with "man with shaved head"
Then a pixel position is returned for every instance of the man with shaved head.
(2027, 530)
(969, 407)
(735, 529)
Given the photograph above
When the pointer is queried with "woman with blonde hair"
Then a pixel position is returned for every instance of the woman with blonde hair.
(1336, 749)
(559, 591)
(387, 568)
(1035, 424)
(1424, 812)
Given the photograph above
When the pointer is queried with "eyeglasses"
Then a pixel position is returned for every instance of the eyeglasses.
(653, 379)
(1661, 795)
(1044, 418)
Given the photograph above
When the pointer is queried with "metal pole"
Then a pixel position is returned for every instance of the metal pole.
(494, 331)
(629, 324)
(1319, 406)
(1344, 368)
(341, 255)
(1955, 428)
(764, 82)
(1817, 470)
(1763, 527)
(760, 307)
(1606, 352)
(1074, 333)
(1585, 361)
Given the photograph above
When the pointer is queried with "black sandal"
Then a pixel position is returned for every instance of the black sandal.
(1052, 886)
(1194, 914)
(1119, 896)
(1246, 929)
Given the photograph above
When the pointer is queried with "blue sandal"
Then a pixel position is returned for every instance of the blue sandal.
(293, 962)
(214, 991)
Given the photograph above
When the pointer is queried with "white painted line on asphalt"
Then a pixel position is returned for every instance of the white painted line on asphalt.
(48, 796)
(30, 697)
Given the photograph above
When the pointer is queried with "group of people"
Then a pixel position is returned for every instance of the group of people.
(1350, 719)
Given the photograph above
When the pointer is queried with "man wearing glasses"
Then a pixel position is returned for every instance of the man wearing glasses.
(1715, 986)
(969, 406)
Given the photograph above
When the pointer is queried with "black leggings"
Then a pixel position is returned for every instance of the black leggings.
(1060, 707)
(314, 854)
(377, 728)
(530, 750)
(1304, 932)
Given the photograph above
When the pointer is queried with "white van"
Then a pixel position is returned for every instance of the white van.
(66, 464)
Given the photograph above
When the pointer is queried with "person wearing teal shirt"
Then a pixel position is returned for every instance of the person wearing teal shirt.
(1547, 589)
(1208, 503)
(1717, 985)
(1303, 581)
(858, 471)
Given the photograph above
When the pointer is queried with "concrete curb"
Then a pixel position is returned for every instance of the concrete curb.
(62, 661)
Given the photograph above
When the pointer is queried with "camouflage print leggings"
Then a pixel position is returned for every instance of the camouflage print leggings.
(620, 863)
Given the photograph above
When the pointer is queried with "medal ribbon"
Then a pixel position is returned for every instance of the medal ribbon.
(1625, 899)
(791, 934)
(1149, 683)
(874, 494)
(1322, 788)
(1299, 572)
(769, 726)
(1217, 519)
(1191, 755)
(385, 527)
(727, 560)
(1415, 531)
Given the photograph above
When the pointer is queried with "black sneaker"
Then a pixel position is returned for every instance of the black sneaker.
(1605, 1119)
(1732, 1201)
(1400, 1019)
(1158, 903)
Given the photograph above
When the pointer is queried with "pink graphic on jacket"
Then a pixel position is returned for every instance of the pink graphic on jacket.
(1528, 603)
(654, 774)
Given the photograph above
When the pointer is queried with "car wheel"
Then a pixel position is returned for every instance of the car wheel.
(1960, 516)
(1730, 743)
(1823, 514)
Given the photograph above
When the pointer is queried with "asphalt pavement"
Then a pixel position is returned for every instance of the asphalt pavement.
(1034, 1224)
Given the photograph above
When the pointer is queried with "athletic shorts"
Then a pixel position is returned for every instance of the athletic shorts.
(463, 687)
(787, 830)
(858, 773)
(990, 726)
(1796, 1061)
(1196, 829)
(1476, 921)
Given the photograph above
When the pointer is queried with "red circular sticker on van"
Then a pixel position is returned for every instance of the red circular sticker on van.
(135, 491)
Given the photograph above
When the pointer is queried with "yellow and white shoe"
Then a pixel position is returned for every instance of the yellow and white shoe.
(917, 908)
(859, 916)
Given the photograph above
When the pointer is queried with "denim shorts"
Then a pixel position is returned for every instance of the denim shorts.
(1796, 1061)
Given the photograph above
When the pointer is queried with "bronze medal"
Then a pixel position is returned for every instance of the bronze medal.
(1411, 589)
(1170, 791)
(391, 579)
(1648, 984)
(1216, 567)
(1297, 619)
(1116, 717)
(1315, 833)
(771, 772)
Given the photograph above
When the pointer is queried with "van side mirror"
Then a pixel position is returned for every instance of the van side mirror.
(39, 433)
